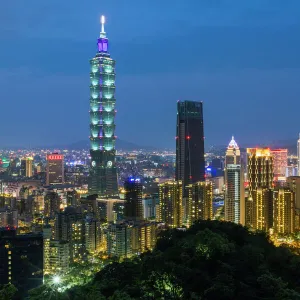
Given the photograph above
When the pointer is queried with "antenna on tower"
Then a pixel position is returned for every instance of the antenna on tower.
(102, 20)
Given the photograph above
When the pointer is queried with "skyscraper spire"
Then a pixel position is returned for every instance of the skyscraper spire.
(102, 33)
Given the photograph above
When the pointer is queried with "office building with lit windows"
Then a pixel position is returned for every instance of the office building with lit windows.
(260, 183)
(200, 202)
(190, 164)
(170, 209)
(284, 211)
(280, 163)
(56, 257)
(21, 260)
(103, 171)
(234, 185)
(293, 182)
(55, 169)
(118, 239)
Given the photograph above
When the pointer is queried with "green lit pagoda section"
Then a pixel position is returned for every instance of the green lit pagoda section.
(103, 173)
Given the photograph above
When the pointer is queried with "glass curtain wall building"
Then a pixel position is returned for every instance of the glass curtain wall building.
(190, 164)
(103, 172)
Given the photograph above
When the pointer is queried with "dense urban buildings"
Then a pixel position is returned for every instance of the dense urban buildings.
(103, 172)
(234, 185)
(55, 169)
(68, 210)
(189, 143)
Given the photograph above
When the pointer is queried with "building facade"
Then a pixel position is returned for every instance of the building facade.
(21, 260)
(133, 199)
(200, 202)
(284, 211)
(170, 209)
(280, 162)
(26, 169)
(55, 169)
(293, 182)
(103, 171)
(234, 185)
(190, 164)
(260, 176)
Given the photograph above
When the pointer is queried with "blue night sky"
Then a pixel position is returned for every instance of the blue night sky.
(241, 58)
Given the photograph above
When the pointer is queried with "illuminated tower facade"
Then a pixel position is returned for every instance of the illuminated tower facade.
(103, 172)
(234, 195)
(190, 164)
(200, 202)
(284, 211)
(260, 200)
(280, 161)
(170, 206)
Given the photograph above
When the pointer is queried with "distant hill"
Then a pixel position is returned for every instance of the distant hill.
(120, 145)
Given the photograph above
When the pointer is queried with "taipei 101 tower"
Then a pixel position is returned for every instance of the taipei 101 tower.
(103, 172)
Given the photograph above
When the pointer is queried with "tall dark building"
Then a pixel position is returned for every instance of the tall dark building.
(21, 260)
(190, 165)
(103, 172)
(133, 199)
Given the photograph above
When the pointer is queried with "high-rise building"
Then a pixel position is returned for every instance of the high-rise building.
(51, 204)
(21, 260)
(70, 226)
(118, 237)
(190, 164)
(234, 194)
(280, 161)
(284, 211)
(298, 154)
(262, 210)
(233, 153)
(293, 182)
(149, 206)
(170, 207)
(133, 199)
(26, 169)
(55, 169)
(56, 256)
(200, 202)
(143, 237)
(260, 198)
(103, 171)
(92, 235)
(8, 217)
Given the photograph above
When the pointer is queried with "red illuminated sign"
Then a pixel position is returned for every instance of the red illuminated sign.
(55, 157)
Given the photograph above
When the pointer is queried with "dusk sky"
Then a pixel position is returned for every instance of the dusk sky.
(241, 58)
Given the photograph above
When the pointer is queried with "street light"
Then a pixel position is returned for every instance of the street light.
(56, 279)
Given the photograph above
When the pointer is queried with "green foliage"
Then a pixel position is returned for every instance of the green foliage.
(7, 291)
(211, 260)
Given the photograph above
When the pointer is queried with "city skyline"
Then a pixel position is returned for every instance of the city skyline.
(257, 64)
